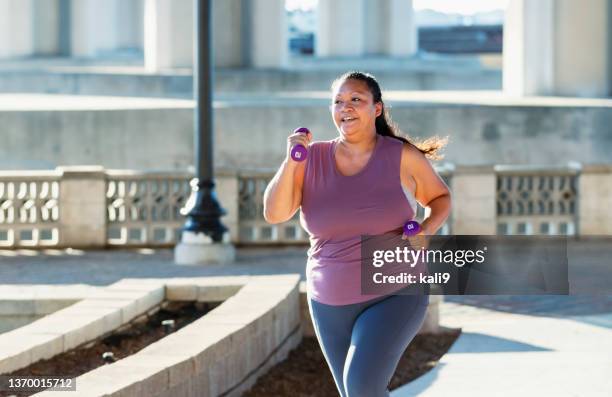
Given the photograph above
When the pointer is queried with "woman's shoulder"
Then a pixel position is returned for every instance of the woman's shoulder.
(391, 145)
(410, 149)
(412, 157)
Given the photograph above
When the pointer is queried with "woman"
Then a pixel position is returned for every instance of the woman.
(365, 181)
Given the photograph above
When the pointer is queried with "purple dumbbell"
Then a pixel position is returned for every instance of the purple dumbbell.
(412, 228)
(299, 152)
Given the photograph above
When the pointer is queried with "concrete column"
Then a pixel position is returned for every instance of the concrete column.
(528, 38)
(269, 45)
(340, 31)
(582, 54)
(229, 43)
(595, 200)
(29, 27)
(46, 27)
(82, 207)
(389, 28)
(130, 25)
(94, 27)
(557, 47)
(16, 28)
(375, 24)
(168, 27)
(474, 194)
(401, 27)
(5, 29)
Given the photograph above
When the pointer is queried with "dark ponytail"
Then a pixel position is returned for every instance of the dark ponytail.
(384, 125)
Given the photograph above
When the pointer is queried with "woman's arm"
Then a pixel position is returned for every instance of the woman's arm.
(430, 190)
(283, 195)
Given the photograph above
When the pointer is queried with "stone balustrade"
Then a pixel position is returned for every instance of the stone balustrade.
(90, 207)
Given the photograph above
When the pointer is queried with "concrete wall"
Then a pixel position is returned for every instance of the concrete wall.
(134, 138)
(252, 131)
(479, 134)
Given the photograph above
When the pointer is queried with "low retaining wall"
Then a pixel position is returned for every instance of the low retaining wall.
(23, 304)
(224, 352)
(261, 319)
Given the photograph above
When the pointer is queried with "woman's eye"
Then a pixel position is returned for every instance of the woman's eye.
(356, 99)
(336, 102)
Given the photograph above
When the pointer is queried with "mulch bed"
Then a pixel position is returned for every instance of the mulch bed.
(306, 374)
(121, 343)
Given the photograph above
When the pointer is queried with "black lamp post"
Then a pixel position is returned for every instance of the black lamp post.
(205, 215)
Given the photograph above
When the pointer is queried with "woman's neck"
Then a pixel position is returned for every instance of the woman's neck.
(360, 147)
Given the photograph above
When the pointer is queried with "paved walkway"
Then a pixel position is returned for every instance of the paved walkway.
(529, 345)
(510, 345)
(508, 354)
(106, 267)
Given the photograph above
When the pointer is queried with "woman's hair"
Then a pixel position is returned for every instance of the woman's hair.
(430, 147)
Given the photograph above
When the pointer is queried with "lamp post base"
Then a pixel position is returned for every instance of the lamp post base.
(199, 249)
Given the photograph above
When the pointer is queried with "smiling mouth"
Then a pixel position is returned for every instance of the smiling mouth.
(346, 119)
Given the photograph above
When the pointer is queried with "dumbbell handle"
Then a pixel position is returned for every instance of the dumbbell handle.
(299, 152)
(411, 233)
(412, 228)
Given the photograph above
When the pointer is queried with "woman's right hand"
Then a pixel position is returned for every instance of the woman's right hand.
(298, 138)
(283, 195)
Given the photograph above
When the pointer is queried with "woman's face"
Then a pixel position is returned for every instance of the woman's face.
(353, 109)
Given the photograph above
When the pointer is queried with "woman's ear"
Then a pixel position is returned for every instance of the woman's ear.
(379, 108)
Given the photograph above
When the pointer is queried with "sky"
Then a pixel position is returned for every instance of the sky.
(465, 7)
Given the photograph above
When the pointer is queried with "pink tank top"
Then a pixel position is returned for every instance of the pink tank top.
(337, 209)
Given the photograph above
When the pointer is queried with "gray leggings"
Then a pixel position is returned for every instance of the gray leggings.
(363, 342)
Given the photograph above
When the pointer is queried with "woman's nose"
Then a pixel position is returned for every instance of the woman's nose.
(346, 105)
